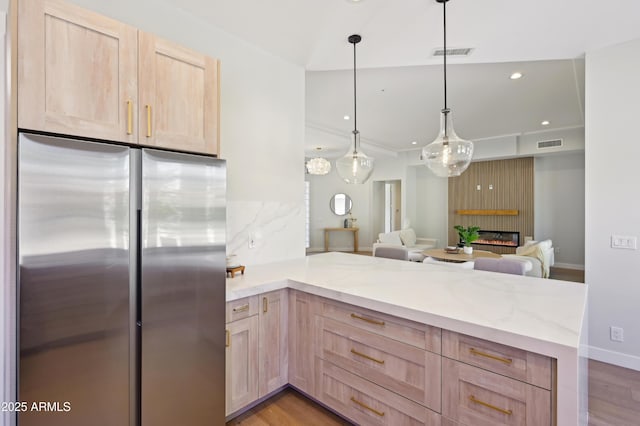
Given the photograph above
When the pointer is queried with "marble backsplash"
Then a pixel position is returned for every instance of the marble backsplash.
(274, 230)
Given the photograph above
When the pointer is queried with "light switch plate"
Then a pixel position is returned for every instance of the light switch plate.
(624, 242)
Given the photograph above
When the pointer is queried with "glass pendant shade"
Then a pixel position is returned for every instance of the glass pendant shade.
(448, 155)
(318, 166)
(355, 166)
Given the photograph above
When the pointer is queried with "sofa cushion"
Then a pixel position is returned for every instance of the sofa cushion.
(408, 237)
(390, 237)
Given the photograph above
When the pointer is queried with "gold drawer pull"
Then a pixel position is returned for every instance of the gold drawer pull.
(363, 405)
(493, 407)
(379, 361)
(148, 107)
(227, 336)
(473, 351)
(241, 308)
(265, 305)
(129, 117)
(372, 321)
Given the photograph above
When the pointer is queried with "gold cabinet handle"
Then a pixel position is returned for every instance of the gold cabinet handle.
(129, 117)
(379, 361)
(242, 308)
(371, 321)
(493, 407)
(265, 305)
(474, 351)
(148, 107)
(227, 337)
(363, 405)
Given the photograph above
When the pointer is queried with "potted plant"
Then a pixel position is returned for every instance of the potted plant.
(467, 236)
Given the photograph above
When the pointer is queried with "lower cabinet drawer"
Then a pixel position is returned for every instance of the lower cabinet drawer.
(409, 371)
(367, 403)
(476, 397)
(505, 360)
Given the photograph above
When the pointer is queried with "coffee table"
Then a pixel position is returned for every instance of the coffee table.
(440, 254)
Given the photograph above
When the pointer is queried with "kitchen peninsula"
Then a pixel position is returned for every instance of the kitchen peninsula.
(453, 334)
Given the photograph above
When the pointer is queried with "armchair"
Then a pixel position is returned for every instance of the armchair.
(539, 254)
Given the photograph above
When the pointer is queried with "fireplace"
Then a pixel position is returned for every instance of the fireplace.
(498, 238)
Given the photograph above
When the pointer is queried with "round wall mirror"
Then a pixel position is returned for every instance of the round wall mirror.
(340, 204)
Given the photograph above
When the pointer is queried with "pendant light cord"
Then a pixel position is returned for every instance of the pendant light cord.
(355, 109)
(444, 14)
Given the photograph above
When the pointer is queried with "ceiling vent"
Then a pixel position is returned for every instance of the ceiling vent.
(462, 51)
(555, 143)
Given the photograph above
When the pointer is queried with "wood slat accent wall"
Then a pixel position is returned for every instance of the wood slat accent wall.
(512, 182)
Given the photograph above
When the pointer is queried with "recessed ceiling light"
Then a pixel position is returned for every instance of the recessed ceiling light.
(414, 143)
(545, 123)
(346, 117)
(516, 75)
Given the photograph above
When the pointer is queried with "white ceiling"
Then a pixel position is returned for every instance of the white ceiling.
(399, 105)
(400, 83)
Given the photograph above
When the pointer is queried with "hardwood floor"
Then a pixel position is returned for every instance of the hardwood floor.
(614, 400)
(614, 395)
(563, 274)
(288, 408)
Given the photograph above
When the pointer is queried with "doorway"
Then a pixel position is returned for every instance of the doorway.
(387, 206)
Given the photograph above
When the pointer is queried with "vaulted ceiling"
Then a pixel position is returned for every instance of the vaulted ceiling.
(399, 80)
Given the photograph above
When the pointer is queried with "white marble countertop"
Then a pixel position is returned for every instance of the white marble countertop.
(540, 315)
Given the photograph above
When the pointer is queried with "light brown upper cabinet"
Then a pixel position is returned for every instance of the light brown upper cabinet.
(83, 74)
(76, 72)
(178, 96)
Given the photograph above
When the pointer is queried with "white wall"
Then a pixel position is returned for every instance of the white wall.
(613, 200)
(262, 129)
(559, 206)
(432, 205)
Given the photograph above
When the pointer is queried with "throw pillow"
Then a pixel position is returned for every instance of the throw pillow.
(390, 238)
(408, 237)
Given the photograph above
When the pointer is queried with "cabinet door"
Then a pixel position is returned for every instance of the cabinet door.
(274, 353)
(178, 97)
(241, 363)
(303, 326)
(76, 72)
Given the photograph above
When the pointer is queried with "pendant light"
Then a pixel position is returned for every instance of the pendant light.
(355, 166)
(448, 155)
(318, 165)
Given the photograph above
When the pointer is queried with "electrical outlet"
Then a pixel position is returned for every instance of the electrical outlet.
(624, 242)
(617, 334)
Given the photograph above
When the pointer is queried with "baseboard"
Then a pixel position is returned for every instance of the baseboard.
(616, 358)
(568, 266)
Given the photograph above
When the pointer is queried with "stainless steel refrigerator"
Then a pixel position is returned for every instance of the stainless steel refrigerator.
(121, 284)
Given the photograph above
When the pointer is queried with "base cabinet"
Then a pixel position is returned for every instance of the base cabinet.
(241, 376)
(377, 369)
(257, 348)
